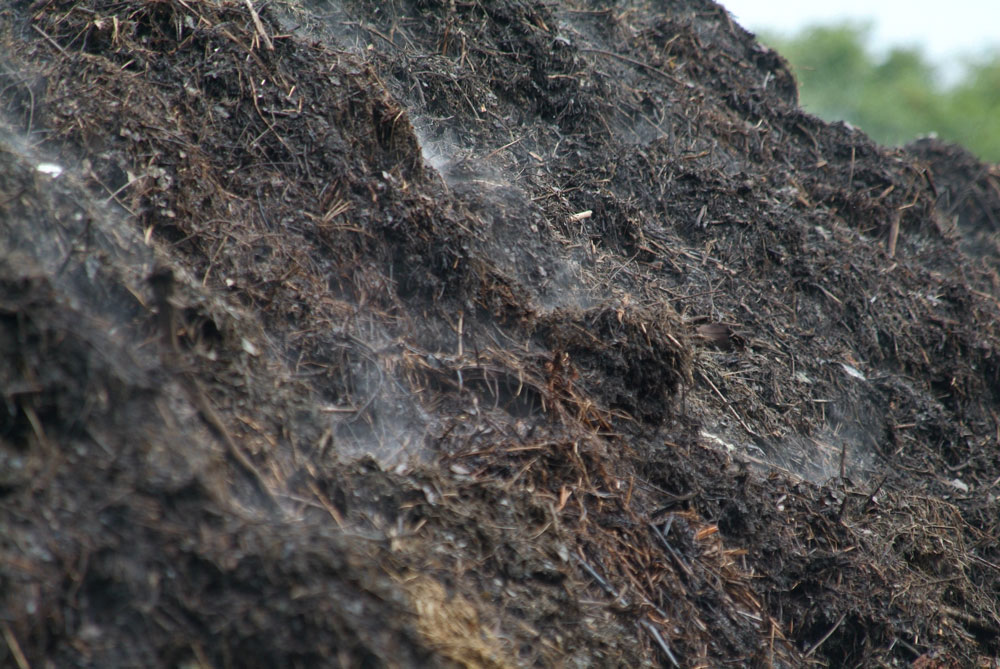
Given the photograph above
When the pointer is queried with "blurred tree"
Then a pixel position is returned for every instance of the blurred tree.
(896, 97)
(975, 108)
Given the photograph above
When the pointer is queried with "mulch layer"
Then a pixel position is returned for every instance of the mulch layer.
(480, 334)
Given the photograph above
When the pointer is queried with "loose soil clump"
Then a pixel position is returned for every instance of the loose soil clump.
(350, 333)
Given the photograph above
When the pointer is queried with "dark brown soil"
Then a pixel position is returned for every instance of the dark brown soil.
(480, 334)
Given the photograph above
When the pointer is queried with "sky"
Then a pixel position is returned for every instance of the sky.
(946, 30)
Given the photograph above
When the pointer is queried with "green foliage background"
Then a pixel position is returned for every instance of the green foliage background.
(894, 97)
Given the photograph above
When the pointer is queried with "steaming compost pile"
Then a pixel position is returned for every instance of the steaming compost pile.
(480, 334)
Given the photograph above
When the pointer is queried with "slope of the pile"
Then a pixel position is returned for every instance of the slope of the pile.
(423, 333)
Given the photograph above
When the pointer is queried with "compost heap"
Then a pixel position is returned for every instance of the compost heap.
(480, 334)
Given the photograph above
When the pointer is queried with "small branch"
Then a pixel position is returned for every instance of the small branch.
(15, 648)
(50, 40)
(163, 283)
(327, 504)
(638, 63)
(645, 624)
(661, 536)
(893, 234)
(505, 146)
(664, 646)
(260, 26)
(812, 649)
(597, 577)
(850, 178)
(729, 405)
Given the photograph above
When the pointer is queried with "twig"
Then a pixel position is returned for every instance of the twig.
(211, 417)
(661, 536)
(827, 293)
(850, 177)
(597, 577)
(625, 264)
(51, 453)
(31, 96)
(260, 26)
(878, 488)
(893, 235)
(85, 232)
(327, 504)
(812, 649)
(15, 647)
(843, 460)
(645, 624)
(729, 406)
(50, 40)
(505, 146)
(114, 195)
(162, 283)
(968, 619)
(655, 633)
(270, 127)
(638, 63)
(985, 562)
